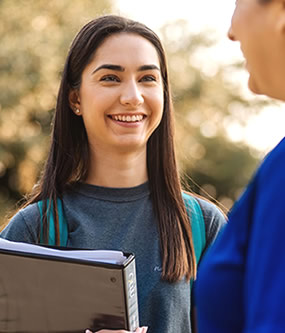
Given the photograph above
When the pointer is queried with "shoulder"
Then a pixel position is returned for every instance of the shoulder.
(31, 212)
(263, 199)
(274, 162)
(211, 213)
(24, 225)
(277, 151)
(214, 219)
(267, 188)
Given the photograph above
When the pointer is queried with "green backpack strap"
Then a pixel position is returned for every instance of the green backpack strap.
(63, 227)
(195, 213)
(197, 224)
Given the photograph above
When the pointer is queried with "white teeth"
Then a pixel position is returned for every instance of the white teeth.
(128, 119)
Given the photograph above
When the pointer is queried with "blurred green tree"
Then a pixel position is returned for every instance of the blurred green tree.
(35, 36)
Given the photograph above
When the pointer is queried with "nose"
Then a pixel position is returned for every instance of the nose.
(231, 34)
(131, 95)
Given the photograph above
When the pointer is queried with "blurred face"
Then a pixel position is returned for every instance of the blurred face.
(259, 27)
(121, 94)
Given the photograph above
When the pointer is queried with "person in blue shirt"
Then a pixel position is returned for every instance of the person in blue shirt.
(240, 285)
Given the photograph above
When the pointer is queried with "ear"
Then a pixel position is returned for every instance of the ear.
(74, 101)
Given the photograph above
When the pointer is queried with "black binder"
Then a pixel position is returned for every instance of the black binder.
(41, 293)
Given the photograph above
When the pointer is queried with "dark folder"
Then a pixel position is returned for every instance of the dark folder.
(42, 293)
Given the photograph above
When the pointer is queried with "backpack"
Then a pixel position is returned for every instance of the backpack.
(192, 206)
(195, 213)
(63, 226)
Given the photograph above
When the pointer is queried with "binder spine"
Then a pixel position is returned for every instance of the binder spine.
(131, 295)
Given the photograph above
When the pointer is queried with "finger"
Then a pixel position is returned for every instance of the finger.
(138, 330)
(141, 329)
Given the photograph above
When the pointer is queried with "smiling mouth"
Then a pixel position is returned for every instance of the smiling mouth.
(127, 119)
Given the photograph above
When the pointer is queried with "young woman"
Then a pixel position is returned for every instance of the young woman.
(240, 287)
(112, 166)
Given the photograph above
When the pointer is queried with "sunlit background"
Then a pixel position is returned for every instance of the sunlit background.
(222, 130)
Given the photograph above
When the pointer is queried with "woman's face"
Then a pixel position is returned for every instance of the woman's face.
(121, 94)
(260, 30)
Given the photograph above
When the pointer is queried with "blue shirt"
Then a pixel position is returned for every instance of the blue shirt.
(241, 281)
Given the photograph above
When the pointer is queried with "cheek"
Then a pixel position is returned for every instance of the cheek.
(158, 101)
(158, 114)
(96, 102)
(154, 101)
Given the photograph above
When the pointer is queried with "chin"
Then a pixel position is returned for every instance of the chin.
(253, 86)
(266, 91)
(131, 147)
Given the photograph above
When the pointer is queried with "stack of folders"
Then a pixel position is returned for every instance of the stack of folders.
(65, 291)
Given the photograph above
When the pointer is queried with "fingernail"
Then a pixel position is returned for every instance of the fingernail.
(88, 331)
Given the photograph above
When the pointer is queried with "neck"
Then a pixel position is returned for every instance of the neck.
(126, 169)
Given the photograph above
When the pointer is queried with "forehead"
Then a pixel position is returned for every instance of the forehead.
(126, 48)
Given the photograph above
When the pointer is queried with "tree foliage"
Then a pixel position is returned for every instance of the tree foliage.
(35, 37)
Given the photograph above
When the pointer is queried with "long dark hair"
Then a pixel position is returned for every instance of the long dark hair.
(69, 157)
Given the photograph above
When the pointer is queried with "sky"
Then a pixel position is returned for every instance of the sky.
(199, 13)
(262, 132)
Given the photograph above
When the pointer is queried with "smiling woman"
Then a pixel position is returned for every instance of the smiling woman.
(112, 169)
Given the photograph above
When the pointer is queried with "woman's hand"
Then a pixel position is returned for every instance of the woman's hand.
(138, 330)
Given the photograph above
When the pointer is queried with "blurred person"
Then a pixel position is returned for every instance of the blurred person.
(112, 165)
(240, 285)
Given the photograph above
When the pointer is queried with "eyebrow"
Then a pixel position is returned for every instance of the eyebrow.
(119, 68)
(148, 67)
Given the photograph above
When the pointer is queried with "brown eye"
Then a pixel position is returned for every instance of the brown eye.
(148, 78)
(110, 78)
